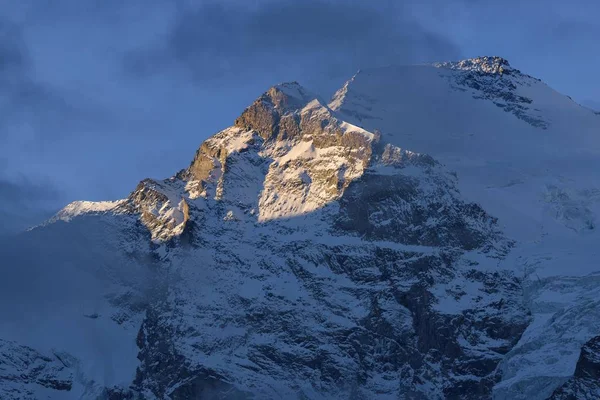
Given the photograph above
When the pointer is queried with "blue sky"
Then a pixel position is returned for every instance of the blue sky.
(96, 95)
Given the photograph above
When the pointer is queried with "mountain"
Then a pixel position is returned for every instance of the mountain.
(427, 234)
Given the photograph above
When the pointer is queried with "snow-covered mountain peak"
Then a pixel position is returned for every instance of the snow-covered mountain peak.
(290, 95)
(428, 234)
(486, 64)
(264, 113)
(77, 208)
(285, 97)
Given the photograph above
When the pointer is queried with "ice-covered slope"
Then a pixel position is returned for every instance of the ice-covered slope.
(426, 235)
(530, 157)
(499, 131)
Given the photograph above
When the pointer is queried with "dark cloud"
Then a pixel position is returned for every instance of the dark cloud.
(574, 30)
(47, 112)
(215, 40)
(39, 121)
(23, 191)
(13, 58)
(15, 66)
(24, 203)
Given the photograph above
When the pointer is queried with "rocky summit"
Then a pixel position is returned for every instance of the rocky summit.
(427, 234)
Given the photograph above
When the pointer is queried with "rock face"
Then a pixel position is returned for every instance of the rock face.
(585, 383)
(306, 254)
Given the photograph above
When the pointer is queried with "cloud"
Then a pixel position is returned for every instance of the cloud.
(24, 191)
(14, 68)
(22, 201)
(12, 57)
(234, 40)
(25, 202)
(34, 110)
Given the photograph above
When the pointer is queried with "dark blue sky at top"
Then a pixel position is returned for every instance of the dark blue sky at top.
(96, 95)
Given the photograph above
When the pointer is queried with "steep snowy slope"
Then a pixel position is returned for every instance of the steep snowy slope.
(306, 253)
(530, 157)
(500, 131)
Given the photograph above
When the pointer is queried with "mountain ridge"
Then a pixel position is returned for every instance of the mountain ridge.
(305, 252)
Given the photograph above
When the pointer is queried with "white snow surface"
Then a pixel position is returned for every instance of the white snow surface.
(77, 208)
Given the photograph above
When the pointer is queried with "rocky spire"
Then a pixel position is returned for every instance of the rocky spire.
(264, 114)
